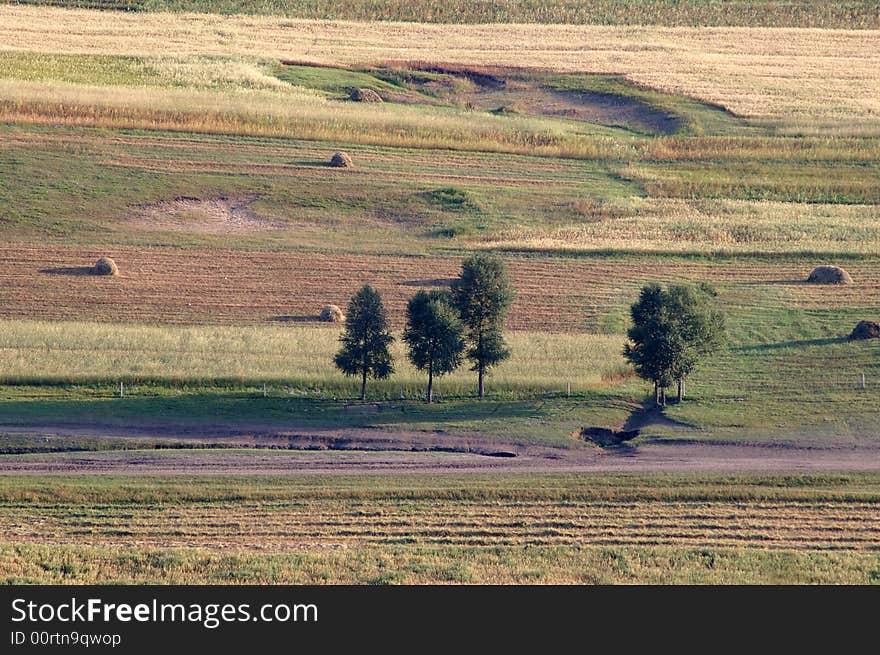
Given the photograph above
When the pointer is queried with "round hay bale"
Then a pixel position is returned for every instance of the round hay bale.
(105, 266)
(364, 95)
(866, 330)
(332, 314)
(341, 160)
(829, 275)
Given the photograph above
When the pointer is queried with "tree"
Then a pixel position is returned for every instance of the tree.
(698, 325)
(434, 335)
(649, 348)
(366, 339)
(671, 331)
(483, 294)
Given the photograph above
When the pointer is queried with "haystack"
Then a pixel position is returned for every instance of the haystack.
(341, 160)
(829, 275)
(105, 266)
(332, 314)
(866, 330)
(364, 95)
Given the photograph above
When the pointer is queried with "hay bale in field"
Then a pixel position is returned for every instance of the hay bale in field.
(866, 330)
(829, 275)
(364, 95)
(332, 314)
(105, 266)
(341, 160)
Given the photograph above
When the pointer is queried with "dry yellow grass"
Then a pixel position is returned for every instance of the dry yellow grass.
(39, 350)
(803, 75)
(291, 111)
(677, 225)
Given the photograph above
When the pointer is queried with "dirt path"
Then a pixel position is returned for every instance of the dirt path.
(374, 451)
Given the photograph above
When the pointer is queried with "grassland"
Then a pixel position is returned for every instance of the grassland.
(404, 529)
(298, 357)
(860, 14)
(670, 194)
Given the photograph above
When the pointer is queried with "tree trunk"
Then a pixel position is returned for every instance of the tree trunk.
(656, 393)
(480, 378)
(680, 390)
(430, 382)
(662, 396)
(364, 384)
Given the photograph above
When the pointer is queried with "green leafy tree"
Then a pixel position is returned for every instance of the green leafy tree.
(483, 295)
(434, 335)
(698, 325)
(671, 332)
(366, 339)
(649, 349)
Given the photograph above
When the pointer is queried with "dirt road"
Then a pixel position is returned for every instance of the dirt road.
(218, 451)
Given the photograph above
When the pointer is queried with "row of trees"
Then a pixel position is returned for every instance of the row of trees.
(442, 327)
(672, 329)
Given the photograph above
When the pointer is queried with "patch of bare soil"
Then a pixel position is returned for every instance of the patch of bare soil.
(508, 90)
(599, 108)
(351, 451)
(221, 215)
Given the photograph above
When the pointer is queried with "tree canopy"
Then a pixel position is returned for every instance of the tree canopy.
(672, 330)
(483, 295)
(434, 335)
(366, 339)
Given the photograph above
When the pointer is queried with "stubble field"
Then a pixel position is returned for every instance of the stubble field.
(501, 529)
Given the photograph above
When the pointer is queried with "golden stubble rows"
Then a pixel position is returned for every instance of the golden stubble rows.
(842, 525)
(797, 74)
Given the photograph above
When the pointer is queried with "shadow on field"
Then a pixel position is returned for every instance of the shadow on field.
(791, 344)
(217, 413)
(68, 270)
(798, 282)
(303, 318)
(649, 414)
(435, 282)
(310, 163)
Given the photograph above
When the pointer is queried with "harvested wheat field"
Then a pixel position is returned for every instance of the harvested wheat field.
(409, 529)
(171, 285)
(810, 74)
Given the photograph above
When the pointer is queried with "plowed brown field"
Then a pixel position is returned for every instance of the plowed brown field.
(184, 286)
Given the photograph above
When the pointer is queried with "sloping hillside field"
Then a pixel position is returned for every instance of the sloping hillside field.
(182, 421)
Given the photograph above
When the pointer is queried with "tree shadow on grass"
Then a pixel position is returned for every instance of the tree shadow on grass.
(68, 270)
(649, 414)
(232, 411)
